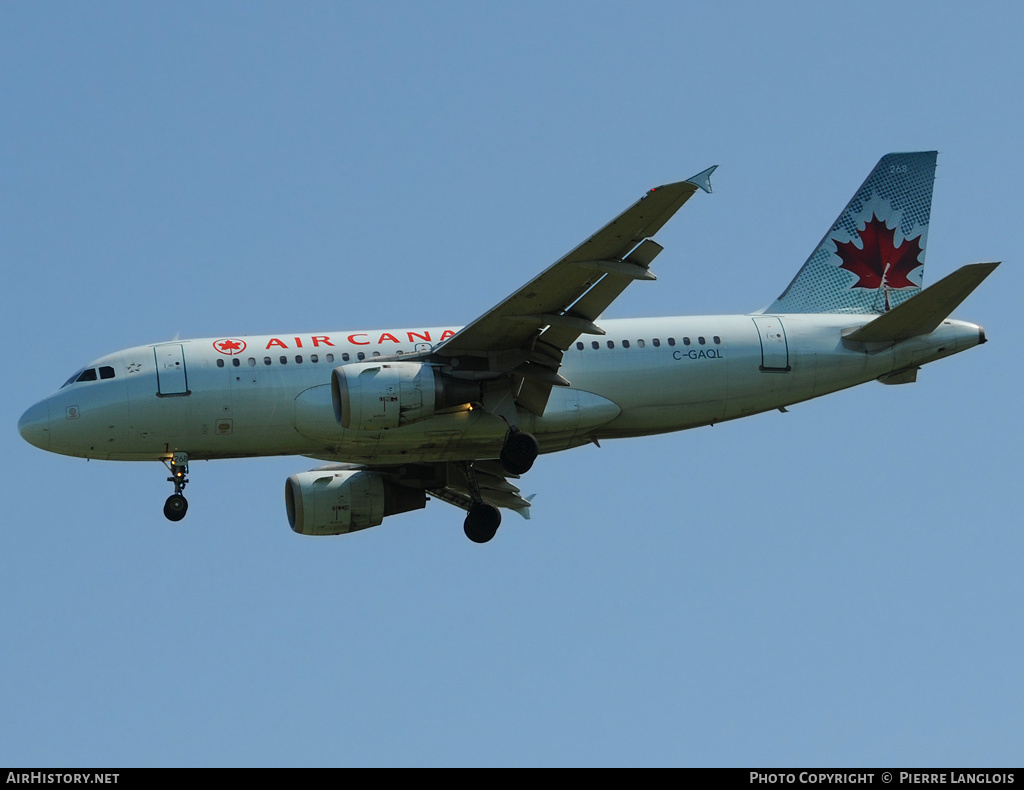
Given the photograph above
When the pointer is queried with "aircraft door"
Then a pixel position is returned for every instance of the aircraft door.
(170, 370)
(774, 348)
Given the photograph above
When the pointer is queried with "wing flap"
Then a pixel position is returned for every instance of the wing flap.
(484, 481)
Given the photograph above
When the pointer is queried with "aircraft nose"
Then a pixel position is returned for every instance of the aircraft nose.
(34, 426)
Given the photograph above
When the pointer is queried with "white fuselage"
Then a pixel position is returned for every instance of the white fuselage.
(214, 398)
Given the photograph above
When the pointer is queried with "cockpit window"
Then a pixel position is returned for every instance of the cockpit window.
(91, 374)
(71, 380)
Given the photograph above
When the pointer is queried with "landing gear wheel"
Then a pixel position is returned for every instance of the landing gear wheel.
(175, 507)
(482, 522)
(519, 452)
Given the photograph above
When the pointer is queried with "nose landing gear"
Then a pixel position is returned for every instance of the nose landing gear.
(176, 505)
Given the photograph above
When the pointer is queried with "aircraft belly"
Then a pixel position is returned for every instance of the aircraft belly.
(460, 434)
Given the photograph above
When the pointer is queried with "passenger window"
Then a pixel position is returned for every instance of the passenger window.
(298, 359)
(330, 357)
(671, 341)
(106, 372)
(717, 340)
(314, 358)
(611, 344)
(686, 341)
(625, 344)
(252, 362)
(376, 353)
(235, 361)
(284, 360)
(220, 363)
(266, 360)
(360, 356)
(700, 340)
(656, 342)
(640, 343)
(579, 346)
(344, 357)
(88, 375)
(595, 345)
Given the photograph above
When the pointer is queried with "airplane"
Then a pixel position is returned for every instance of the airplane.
(458, 414)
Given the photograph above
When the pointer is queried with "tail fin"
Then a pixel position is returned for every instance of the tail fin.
(872, 259)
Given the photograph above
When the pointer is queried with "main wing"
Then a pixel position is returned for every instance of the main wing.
(525, 335)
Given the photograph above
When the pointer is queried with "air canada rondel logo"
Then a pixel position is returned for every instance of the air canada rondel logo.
(879, 262)
(229, 346)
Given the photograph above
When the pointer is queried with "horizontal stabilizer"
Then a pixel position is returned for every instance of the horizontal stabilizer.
(922, 314)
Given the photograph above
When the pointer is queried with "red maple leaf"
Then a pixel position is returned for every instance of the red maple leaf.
(229, 346)
(880, 262)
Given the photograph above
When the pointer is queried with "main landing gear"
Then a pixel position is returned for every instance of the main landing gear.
(519, 451)
(517, 455)
(176, 505)
(482, 522)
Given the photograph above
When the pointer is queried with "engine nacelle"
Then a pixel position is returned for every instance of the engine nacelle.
(333, 502)
(374, 395)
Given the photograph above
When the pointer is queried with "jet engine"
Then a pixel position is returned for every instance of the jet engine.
(333, 502)
(374, 395)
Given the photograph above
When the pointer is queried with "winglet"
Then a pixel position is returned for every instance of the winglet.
(703, 179)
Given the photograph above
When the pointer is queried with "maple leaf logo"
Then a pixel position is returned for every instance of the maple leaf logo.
(229, 346)
(880, 263)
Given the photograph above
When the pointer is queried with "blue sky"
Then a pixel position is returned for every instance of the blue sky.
(839, 585)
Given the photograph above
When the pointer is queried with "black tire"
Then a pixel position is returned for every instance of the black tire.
(519, 452)
(175, 507)
(482, 522)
